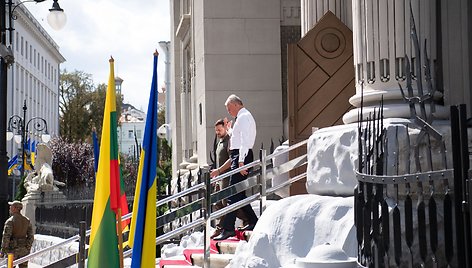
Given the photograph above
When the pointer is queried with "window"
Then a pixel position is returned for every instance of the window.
(138, 133)
(200, 113)
(130, 134)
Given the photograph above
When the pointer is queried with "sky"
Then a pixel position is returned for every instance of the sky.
(129, 31)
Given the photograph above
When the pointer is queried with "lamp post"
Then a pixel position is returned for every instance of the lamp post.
(19, 128)
(165, 45)
(7, 9)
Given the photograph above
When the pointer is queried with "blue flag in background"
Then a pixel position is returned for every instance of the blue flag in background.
(96, 150)
(143, 222)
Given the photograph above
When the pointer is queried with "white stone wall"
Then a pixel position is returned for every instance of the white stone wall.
(233, 47)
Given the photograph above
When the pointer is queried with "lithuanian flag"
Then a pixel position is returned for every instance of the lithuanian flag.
(103, 250)
(143, 225)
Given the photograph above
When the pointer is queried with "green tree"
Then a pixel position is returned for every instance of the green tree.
(97, 107)
(81, 106)
(74, 100)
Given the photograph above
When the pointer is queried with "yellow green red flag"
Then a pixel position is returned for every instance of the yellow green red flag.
(103, 250)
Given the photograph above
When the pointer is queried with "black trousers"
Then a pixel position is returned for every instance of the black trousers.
(230, 218)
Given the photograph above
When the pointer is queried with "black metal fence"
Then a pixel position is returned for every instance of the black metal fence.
(62, 219)
(462, 185)
(411, 208)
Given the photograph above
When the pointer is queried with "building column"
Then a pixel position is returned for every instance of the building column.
(382, 41)
(313, 10)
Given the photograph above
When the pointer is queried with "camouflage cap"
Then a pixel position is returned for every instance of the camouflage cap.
(16, 203)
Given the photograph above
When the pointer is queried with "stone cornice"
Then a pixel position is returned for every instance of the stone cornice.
(34, 27)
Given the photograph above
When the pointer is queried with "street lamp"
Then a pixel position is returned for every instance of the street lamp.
(18, 127)
(7, 7)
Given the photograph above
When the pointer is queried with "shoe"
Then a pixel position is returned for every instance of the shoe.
(247, 227)
(217, 232)
(225, 234)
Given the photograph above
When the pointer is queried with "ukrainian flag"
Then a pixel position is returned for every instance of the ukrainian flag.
(12, 164)
(143, 225)
(33, 152)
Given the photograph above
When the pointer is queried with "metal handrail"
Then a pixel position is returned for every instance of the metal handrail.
(221, 212)
(204, 221)
(171, 234)
(232, 172)
(286, 183)
(286, 150)
(39, 252)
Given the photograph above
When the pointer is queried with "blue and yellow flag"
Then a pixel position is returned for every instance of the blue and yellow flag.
(12, 164)
(143, 224)
(33, 152)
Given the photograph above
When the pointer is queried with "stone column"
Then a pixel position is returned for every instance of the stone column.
(382, 39)
(313, 10)
(32, 198)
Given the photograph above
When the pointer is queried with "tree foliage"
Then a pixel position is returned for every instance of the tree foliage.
(72, 162)
(74, 99)
(81, 106)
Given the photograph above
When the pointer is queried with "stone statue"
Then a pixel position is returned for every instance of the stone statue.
(42, 179)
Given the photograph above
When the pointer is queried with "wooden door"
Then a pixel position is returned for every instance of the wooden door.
(320, 82)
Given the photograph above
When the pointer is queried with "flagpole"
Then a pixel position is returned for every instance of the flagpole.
(120, 237)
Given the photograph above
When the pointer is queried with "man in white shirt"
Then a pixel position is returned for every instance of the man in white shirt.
(243, 136)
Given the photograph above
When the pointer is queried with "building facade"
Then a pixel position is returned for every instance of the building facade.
(34, 76)
(131, 130)
(221, 48)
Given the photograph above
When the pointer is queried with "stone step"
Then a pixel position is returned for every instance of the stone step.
(226, 247)
(229, 246)
(216, 260)
(179, 266)
(172, 262)
(221, 253)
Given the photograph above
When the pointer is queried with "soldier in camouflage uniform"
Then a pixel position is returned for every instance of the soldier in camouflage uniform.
(18, 234)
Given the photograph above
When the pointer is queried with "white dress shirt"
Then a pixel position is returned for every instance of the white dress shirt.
(243, 134)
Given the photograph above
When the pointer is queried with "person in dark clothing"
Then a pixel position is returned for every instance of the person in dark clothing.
(222, 155)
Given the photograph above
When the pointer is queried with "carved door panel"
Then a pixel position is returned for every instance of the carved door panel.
(320, 82)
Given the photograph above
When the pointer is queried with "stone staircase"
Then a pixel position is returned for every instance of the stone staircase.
(221, 253)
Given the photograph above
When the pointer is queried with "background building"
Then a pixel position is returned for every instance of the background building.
(34, 76)
(131, 129)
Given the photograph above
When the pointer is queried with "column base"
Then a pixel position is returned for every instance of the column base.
(393, 111)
